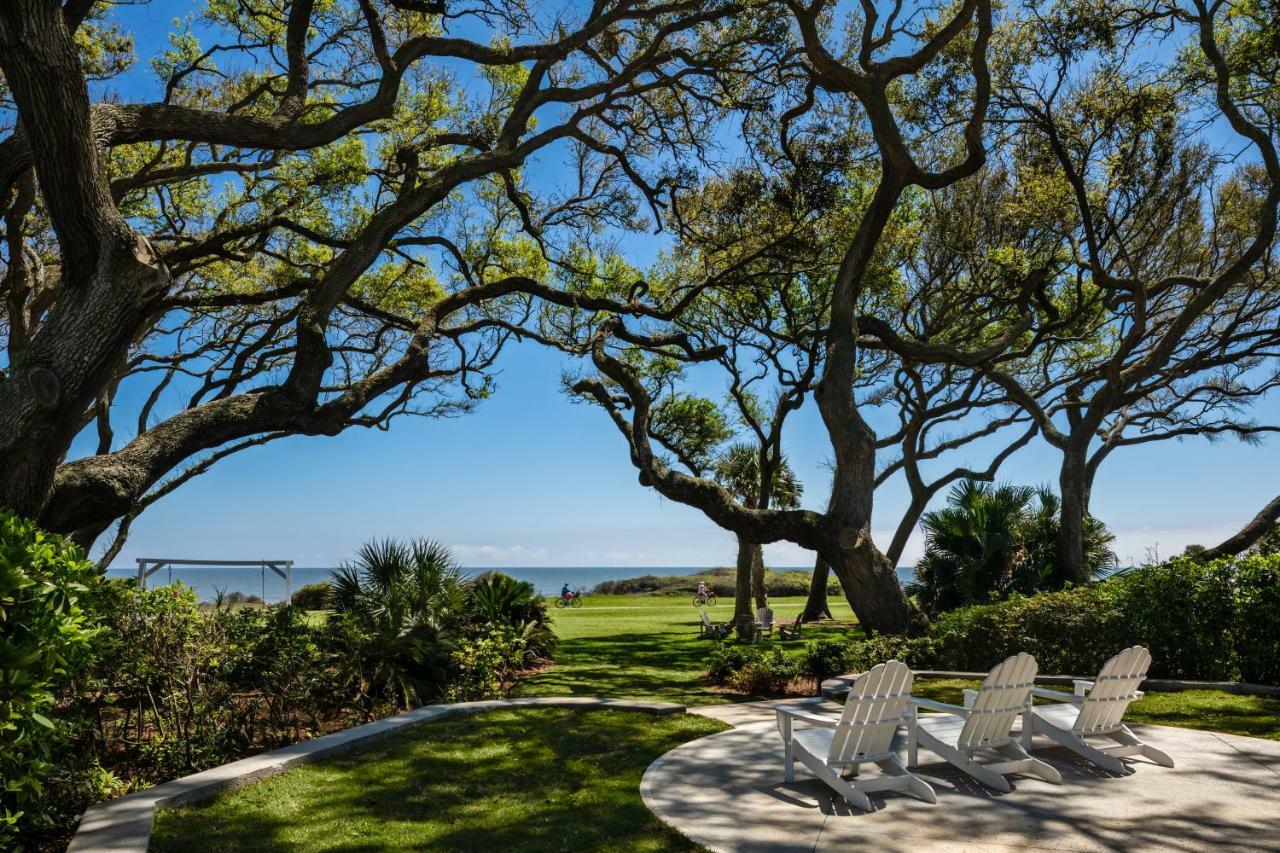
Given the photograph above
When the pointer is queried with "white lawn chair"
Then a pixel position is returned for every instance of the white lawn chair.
(862, 734)
(985, 728)
(764, 621)
(1096, 710)
(711, 629)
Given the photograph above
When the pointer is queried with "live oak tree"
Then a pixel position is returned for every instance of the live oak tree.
(1168, 235)
(322, 220)
(897, 78)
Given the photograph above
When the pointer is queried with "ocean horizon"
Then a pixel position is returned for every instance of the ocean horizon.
(208, 582)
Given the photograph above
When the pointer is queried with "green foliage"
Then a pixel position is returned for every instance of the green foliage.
(45, 630)
(484, 667)
(1210, 621)
(720, 581)
(496, 599)
(394, 607)
(994, 541)
(313, 596)
(738, 470)
(769, 674)
(727, 658)
(825, 658)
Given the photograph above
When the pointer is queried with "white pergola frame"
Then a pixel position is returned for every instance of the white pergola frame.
(148, 566)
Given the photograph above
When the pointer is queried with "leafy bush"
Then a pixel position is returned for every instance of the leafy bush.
(824, 658)
(727, 658)
(768, 675)
(313, 596)
(496, 599)
(1209, 621)
(484, 667)
(44, 631)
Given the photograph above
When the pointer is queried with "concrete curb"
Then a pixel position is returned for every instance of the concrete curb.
(836, 688)
(124, 824)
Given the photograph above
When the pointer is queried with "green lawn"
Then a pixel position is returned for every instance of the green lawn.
(531, 779)
(1194, 709)
(648, 646)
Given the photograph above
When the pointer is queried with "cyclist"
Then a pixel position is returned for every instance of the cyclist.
(703, 592)
(565, 593)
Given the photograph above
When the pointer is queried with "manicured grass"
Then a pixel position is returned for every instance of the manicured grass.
(648, 646)
(1212, 710)
(532, 779)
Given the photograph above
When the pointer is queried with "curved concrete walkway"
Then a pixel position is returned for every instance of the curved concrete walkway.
(726, 791)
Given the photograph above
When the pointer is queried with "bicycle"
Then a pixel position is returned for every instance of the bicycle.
(707, 600)
(573, 599)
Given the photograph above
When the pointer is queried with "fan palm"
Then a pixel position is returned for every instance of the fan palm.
(499, 599)
(395, 605)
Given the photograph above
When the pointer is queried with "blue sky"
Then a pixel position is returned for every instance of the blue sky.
(533, 479)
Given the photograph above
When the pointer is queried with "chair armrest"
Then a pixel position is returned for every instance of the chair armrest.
(938, 706)
(1056, 695)
(970, 697)
(808, 716)
(1081, 686)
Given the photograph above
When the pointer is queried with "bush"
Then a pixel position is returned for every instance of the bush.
(1211, 621)
(496, 599)
(720, 581)
(727, 658)
(485, 666)
(824, 658)
(313, 596)
(768, 675)
(45, 631)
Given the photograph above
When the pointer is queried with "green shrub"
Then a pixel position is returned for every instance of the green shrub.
(768, 675)
(1258, 618)
(1210, 621)
(485, 666)
(313, 596)
(824, 658)
(727, 658)
(45, 631)
(497, 599)
(720, 581)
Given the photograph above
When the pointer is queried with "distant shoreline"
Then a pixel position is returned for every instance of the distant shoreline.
(208, 582)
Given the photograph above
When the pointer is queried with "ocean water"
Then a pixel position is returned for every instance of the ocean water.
(208, 582)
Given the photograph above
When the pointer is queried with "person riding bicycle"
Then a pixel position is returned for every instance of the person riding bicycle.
(703, 592)
(565, 593)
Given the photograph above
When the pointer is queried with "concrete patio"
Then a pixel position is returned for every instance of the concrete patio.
(726, 791)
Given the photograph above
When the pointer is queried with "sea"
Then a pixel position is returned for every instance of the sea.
(208, 582)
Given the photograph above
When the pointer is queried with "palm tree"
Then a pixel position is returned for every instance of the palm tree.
(993, 540)
(395, 606)
(738, 470)
(499, 599)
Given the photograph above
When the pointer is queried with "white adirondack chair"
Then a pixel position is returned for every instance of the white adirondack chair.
(711, 629)
(862, 734)
(984, 728)
(1096, 711)
(764, 620)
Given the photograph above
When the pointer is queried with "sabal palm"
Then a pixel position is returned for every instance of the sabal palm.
(738, 470)
(396, 602)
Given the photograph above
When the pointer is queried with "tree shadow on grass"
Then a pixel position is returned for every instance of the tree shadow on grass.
(533, 779)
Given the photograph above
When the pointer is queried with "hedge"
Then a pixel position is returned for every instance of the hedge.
(1215, 621)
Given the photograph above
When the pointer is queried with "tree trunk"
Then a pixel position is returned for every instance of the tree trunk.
(872, 589)
(907, 524)
(743, 616)
(817, 607)
(758, 592)
(1249, 534)
(1073, 480)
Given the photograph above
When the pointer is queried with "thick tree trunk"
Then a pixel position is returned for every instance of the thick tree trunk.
(1249, 534)
(743, 615)
(1073, 481)
(758, 592)
(908, 523)
(816, 607)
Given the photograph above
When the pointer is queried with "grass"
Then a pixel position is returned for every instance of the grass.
(1211, 710)
(648, 646)
(532, 779)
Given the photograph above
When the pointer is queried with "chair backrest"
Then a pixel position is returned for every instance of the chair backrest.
(1116, 686)
(765, 616)
(705, 620)
(872, 712)
(1001, 698)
